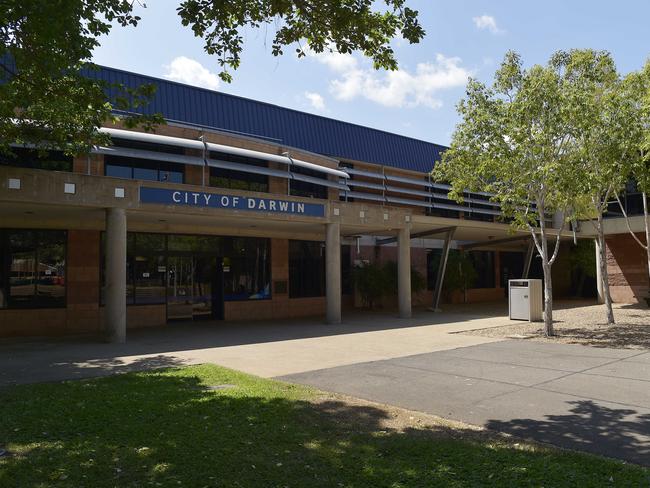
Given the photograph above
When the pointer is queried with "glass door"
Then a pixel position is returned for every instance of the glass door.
(194, 287)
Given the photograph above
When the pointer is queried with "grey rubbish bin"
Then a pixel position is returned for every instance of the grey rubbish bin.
(525, 300)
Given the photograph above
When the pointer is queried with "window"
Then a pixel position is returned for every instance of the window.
(306, 269)
(632, 200)
(148, 265)
(299, 188)
(247, 269)
(32, 270)
(145, 269)
(142, 169)
(443, 212)
(346, 270)
(246, 262)
(433, 263)
(511, 266)
(31, 158)
(238, 180)
(483, 262)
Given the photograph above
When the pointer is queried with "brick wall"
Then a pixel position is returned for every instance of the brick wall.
(627, 268)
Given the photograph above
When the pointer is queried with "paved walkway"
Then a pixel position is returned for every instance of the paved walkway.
(575, 396)
(578, 397)
(266, 349)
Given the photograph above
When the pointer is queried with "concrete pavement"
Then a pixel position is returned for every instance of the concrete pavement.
(593, 399)
(573, 396)
(266, 349)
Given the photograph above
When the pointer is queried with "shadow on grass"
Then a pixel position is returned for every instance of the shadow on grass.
(165, 428)
(93, 368)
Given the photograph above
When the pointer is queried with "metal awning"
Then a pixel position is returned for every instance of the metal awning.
(209, 146)
(150, 155)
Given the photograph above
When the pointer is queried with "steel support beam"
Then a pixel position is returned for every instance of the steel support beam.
(440, 278)
(426, 233)
(494, 242)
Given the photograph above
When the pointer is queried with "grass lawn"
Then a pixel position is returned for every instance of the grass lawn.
(165, 428)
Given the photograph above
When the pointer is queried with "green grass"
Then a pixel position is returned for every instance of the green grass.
(163, 428)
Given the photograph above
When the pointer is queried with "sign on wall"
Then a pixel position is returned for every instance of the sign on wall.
(168, 196)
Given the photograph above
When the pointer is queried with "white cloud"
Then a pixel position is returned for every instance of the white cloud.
(192, 72)
(316, 100)
(487, 22)
(393, 88)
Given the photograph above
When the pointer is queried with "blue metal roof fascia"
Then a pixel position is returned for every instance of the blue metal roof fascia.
(314, 133)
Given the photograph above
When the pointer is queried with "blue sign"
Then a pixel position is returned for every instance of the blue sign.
(166, 196)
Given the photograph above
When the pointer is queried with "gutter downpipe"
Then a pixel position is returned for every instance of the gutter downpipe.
(205, 158)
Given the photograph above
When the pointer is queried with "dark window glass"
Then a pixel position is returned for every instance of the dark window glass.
(247, 269)
(632, 200)
(443, 212)
(33, 269)
(197, 244)
(171, 173)
(479, 216)
(433, 263)
(238, 180)
(149, 278)
(148, 146)
(148, 263)
(31, 158)
(118, 171)
(306, 269)
(145, 269)
(5, 266)
(346, 270)
(142, 169)
(299, 188)
(483, 262)
(150, 174)
(511, 266)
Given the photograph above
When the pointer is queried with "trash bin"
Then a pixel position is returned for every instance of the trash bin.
(525, 300)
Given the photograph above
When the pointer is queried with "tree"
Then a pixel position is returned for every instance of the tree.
(513, 142)
(601, 116)
(638, 90)
(44, 97)
(46, 45)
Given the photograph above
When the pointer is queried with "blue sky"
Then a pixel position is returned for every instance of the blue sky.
(464, 38)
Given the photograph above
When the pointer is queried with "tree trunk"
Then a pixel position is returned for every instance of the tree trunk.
(603, 271)
(548, 299)
(646, 215)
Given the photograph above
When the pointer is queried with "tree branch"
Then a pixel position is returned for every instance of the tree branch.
(627, 223)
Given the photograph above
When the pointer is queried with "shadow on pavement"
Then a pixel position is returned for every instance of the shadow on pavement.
(619, 433)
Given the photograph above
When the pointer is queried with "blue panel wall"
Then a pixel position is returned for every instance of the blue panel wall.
(322, 135)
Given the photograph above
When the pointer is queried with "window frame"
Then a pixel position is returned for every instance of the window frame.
(6, 263)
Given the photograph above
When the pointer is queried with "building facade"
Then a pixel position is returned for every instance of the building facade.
(235, 210)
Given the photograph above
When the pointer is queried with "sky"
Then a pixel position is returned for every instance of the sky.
(463, 39)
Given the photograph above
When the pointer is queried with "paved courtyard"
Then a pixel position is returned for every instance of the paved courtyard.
(578, 397)
(594, 399)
